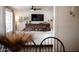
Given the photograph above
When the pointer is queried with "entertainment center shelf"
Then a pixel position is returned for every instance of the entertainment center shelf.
(37, 27)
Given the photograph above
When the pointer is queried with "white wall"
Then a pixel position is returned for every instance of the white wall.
(48, 15)
(67, 28)
(2, 20)
(38, 36)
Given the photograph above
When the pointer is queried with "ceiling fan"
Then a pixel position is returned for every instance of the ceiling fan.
(35, 8)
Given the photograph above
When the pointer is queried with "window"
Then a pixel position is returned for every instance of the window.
(9, 20)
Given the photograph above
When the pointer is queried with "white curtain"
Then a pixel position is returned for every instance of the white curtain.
(9, 20)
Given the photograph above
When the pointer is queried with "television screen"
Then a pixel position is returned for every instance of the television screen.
(37, 17)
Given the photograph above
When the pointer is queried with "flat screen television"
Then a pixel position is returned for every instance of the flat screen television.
(37, 17)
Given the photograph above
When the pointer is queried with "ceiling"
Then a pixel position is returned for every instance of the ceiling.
(25, 8)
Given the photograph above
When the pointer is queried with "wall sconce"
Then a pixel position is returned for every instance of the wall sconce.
(72, 11)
